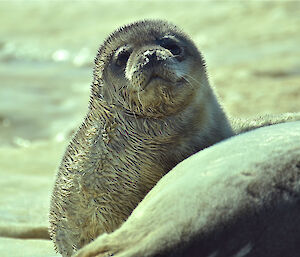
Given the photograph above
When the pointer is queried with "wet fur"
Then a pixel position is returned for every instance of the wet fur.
(123, 148)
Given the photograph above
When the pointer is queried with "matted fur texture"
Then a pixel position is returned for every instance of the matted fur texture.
(151, 107)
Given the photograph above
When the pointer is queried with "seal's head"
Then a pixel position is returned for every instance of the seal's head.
(149, 68)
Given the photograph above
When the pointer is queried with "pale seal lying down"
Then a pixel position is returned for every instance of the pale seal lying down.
(240, 197)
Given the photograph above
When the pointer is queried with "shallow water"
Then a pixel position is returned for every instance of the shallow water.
(47, 51)
(40, 100)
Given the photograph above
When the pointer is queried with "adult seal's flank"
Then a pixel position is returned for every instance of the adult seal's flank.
(151, 106)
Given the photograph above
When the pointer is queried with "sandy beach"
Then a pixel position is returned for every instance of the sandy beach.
(46, 60)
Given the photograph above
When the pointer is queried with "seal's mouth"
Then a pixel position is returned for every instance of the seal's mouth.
(158, 80)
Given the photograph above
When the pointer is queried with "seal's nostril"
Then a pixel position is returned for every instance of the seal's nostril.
(150, 56)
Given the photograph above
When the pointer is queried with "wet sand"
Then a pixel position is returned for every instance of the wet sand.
(46, 57)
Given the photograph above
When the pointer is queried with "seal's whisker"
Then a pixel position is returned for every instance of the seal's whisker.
(139, 98)
(191, 77)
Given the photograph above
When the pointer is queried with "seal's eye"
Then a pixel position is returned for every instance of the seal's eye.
(171, 45)
(122, 58)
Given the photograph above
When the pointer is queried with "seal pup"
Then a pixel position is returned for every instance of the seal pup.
(151, 106)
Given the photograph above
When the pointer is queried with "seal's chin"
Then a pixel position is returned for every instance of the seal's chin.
(159, 90)
(160, 97)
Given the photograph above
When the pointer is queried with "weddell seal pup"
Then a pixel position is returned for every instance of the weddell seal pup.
(151, 106)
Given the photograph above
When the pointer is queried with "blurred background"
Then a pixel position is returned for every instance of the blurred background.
(47, 48)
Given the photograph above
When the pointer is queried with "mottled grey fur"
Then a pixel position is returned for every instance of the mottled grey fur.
(131, 137)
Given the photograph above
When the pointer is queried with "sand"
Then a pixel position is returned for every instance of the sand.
(46, 56)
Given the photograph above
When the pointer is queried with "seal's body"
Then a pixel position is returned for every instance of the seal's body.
(151, 106)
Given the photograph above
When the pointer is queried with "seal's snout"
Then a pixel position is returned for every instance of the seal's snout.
(153, 65)
(154, 57)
